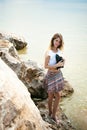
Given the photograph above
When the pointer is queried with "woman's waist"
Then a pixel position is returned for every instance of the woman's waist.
(53, 71)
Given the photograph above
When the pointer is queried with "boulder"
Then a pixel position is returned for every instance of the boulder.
(19, 43)
(7, 47)
(68, 89)
(1, 36)
(17, 110)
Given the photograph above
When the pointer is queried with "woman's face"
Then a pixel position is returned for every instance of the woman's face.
(56, 42)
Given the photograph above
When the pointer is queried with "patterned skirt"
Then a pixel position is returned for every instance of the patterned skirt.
(54, 82)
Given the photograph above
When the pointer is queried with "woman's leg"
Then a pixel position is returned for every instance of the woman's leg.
(55, 105)
(50, 99)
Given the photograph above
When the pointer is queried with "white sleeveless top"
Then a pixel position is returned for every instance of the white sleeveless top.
(52, 55)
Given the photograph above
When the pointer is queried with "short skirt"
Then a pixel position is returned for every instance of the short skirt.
(54, 82)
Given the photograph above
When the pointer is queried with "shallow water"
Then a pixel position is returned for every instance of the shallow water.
(37, 21)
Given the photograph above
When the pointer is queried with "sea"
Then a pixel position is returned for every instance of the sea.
(36, 21)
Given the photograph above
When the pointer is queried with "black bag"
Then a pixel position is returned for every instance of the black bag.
(59, 58)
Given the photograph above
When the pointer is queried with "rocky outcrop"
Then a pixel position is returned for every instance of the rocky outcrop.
(1, 36)
(7, 48)
(68, 89)
(19, 43)
(64, 124)
(17, 110)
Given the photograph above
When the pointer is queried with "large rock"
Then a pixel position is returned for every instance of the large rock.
(17, 110)
(68, 89)
(7, 48)
(19, 43)
(29, 73)
(1, 36)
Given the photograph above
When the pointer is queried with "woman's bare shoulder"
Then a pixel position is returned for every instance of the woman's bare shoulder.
(47, 52)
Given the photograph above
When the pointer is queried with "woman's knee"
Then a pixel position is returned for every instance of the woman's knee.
(57, 95)
(50, 95)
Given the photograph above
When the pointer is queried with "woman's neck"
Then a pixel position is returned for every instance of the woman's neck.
(54, 49)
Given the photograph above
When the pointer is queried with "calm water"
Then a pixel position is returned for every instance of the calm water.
(37, 21)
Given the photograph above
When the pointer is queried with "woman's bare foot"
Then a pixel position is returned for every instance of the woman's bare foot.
(55, 120)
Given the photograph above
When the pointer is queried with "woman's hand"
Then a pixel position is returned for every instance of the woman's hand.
(60, 63)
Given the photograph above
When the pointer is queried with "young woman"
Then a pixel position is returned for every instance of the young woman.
(54, 78)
